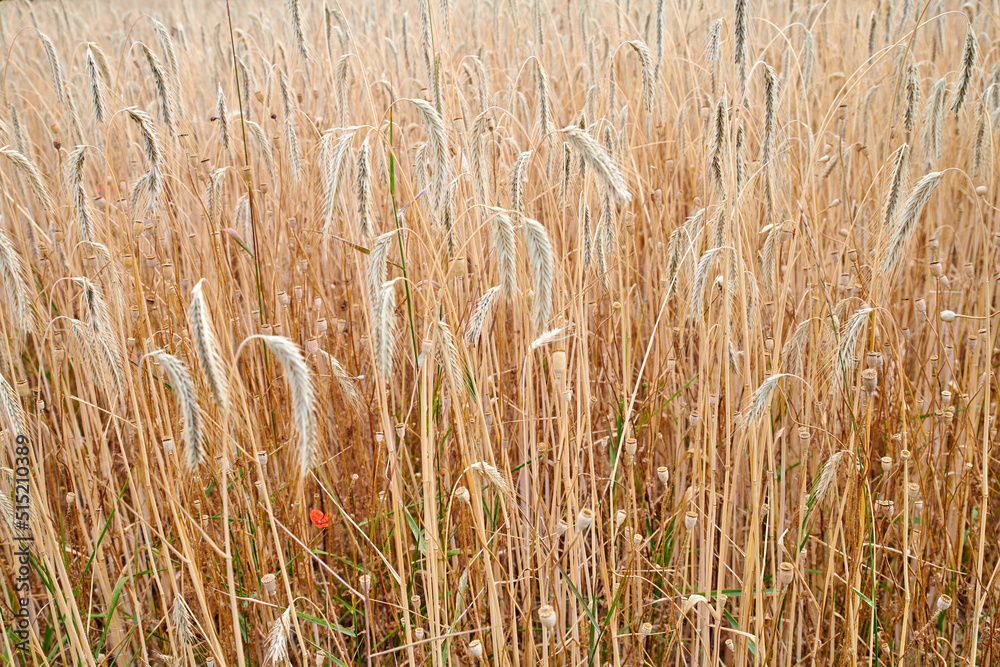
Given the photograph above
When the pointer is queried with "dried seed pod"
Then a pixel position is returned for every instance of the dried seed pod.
(886, 463)
(584, 519)
(690, 520)
(630, 447)
(869, 379)
(547, 616)
(664, 474)
(269, 586)
(476, 648)
(619, 518)
(786, 573)
(462, 494)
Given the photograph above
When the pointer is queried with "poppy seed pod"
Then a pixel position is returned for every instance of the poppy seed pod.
(630, 447)
(947, 315)
(786, 573)
(558, 365)
(584, 519)
(690, 520)
(664, 474)
(547, 616)
(476, 648)
(869, 379)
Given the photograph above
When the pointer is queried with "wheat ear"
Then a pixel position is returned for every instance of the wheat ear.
(207, 347)
(276, 654)
(484, 308)
(12, 408)
(506, 253)
(597, 159)
(542, 263)
(908, 218)
(187, 400)
(385, 330)
(162, 85)
(27, 169)
(968, 64)
(300, 386)
(334, 156)
(296, 19)
(364, 189)
(13, 274)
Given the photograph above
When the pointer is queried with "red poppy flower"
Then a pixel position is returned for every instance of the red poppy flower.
(319, 519)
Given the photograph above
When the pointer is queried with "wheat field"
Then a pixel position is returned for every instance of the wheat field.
(583, 332)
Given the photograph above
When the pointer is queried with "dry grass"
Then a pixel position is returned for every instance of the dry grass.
(333, 348)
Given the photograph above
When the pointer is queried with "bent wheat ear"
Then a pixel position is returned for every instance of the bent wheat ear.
(96, 87)
(55, 69)
(908, 218)
(377, 268)
(162, 85)
(597, 159)
(207, 346)
(385, 330)
(303, 397)
(448, 356)
(542, 265)
(648, 83)
(187, 400)
(968, 64)
(181, 615)
(503, 237)
(223, 115)
(484, 308)
(276, 653)
(346, 382)
(493, 476)
(334, 156)
(437, 149)
(12, 408)
(300, 38)
(29, 172)
(13, 274)
(364, 189)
